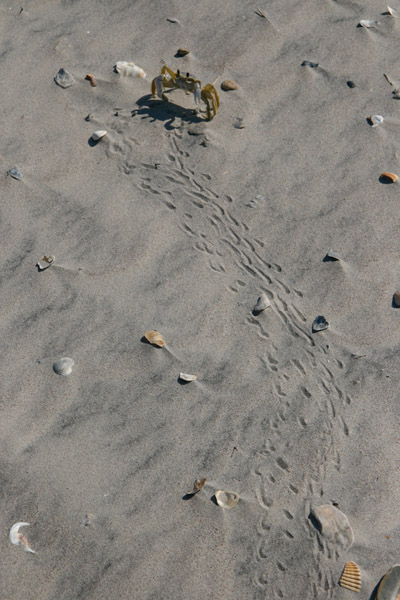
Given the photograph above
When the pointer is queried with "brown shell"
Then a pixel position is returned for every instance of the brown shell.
(91, 79)
(197, 486)
(396, 298)
(182, 52)
(351, 577)
(228, 84)
(391, 176)
(154, 338)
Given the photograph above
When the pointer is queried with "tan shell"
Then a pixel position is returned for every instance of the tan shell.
(97, 135)
(197, 486)
(351, 577)
(226, 499)
(182, 52)
(187, 377)
(154, 338)
(390, 176)
(228, 84)
(92, 80)
(396, 298)
(45, 262)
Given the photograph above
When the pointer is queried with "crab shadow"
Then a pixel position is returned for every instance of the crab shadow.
(167, 112)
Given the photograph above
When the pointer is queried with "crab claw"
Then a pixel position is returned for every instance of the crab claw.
(159, 86)
(197, 93)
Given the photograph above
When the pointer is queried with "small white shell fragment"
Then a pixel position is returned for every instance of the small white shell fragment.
(197, 486)
(45, 262)
(154, 337)
(226, 499)
(262, 303)
(64, 78)
(368, 24)
(173, 20)
(334, 525)
(129, 69)
(63, 366)
(375, 120)
(389, 588)
(187, 377)
(97, 135)
(17, 538)
(332, 255)
(15, 173)
(319, 324)
(392, 12)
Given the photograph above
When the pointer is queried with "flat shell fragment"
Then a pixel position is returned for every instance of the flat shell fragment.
(182, 52)
(388, 177)
(228, 85)
(262, 303)
(389, 588)
(375, 120)
(351, 577)
(129, 69)
(396, 298)
(63, 366)
(308, 63)
(64, 78)
(45, 262)
(187, 377)
(334, 525)
(15, 173)
(332, 255)
(17, 538)
(197, 486)
(92, 80)
(320, 323)
(368, 24)
(392, 12)
(226, 499)
(97, 135)
(155, 338)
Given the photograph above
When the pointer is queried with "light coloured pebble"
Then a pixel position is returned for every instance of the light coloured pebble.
(334, 525)
(368, 23)
(262, 303)
(15, 173)
(63, 366)
(187, 377)
(396, 298)
(228, 85)
(97, 135)
(129, 69)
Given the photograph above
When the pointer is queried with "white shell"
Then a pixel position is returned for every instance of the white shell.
(17, 538)
(389, 588)
(45, 262)
(334, 525)
(392, 12)
(368, 24)
(197, 486)
(63, 366)
(262, 303)
(129, 69)
(226, 499)
(97, 135)
(376, 120)
(333, 255)
(187, 377)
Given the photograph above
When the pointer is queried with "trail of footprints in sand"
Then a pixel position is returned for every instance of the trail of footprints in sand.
(304, 383)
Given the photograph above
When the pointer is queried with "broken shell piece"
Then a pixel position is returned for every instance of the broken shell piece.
(375, 120)
(262, 303)
(129, 69)
(64, 78)
(351, 577)
(368, 24)
(331, 255)
(228, 85)
(320, 323)
(238, 123)
(308, 63)
(226, 499)
(389, 588)
(91, 79)
(17, 538)
(97, 135)
(187, 377)
(182, 52)
(334, 525)
(388, 177)
(63, 366)
(45, 262)
(15, 173)
(197, 486)
(392, 12)
(396, 298)
(155, 338)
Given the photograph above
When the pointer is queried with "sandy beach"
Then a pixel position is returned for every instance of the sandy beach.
(177, 224)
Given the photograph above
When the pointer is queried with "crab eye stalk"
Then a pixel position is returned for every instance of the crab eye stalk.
(159, 87)
(197, 93)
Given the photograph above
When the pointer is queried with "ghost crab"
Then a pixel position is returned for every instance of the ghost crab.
(170, 79)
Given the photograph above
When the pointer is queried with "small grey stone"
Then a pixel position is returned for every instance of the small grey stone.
(396, 298)
(64, 78)
(307, 63)
(319, 324)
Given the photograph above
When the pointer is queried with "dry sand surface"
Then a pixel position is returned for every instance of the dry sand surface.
(154, 227)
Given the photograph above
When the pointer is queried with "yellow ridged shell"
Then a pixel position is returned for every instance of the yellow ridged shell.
(351, 577)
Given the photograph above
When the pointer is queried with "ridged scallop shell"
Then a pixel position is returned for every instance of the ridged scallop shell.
(389, 176)
(262, 303)
(197, 486)
(129, 69)
(45, 262)
(389, 588)
(97, 135)
(319, 324)
(63, 366)
(187, 377)
(351, 577)
(226, 499)
(154, 337)
(17, 538)
(334, 525)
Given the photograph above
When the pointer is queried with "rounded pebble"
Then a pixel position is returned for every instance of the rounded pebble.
(228, 84)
